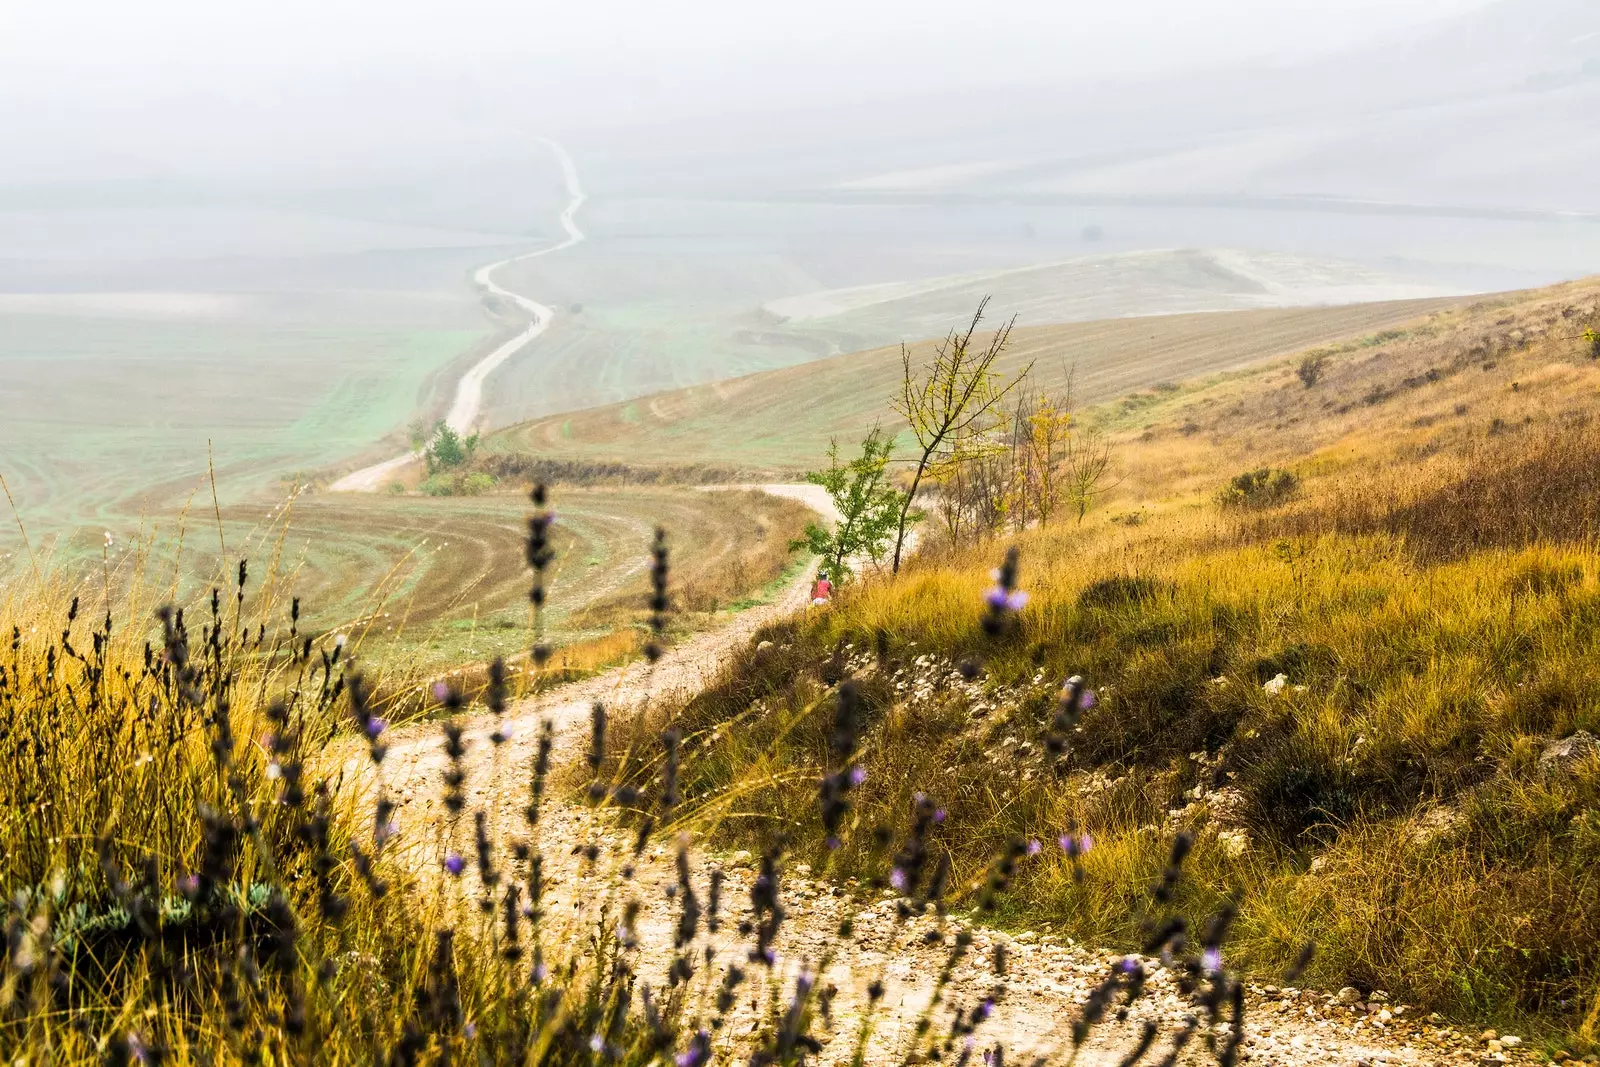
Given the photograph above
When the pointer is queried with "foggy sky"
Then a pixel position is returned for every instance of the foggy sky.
(102, 89)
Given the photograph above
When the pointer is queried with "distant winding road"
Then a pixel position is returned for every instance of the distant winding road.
(468, 402)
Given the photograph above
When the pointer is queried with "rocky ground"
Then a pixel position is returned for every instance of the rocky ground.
(1046, 980)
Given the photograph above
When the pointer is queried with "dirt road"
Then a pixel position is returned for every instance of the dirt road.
(468, 401)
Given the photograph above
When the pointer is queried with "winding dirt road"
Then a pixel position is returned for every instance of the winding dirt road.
(468, 402)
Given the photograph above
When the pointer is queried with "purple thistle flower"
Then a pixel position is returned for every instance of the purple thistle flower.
(985, 1010)
(470, 1030)
(540, 972)
(698, 1052)
(1069, 845)
(939, 816)
(1034, 848)
(1128, 965)
(189, 884)
(833, 844)
(597, 1043)
(1087, 700)
(376, 726)
(1211, 960)
(454, 864)
(440, 691)
(897, 878)
(1085, 843)
(858, 775)
(1016, 600)
(997, 598)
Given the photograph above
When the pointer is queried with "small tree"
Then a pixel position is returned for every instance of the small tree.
(946, 398)
(869, 507)
(1591, 337)
(1310, 370)
(1086, 470)
(1049, 430)
(449, 449)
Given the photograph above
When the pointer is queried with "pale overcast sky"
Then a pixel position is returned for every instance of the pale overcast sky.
(110, 88)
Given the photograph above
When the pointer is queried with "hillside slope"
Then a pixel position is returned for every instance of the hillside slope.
(1370, 697)
(780, 421)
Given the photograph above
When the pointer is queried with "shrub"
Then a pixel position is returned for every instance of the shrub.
(1591, 337)
(1261, 488)
(448, 450)
(476, 483)
(439, 485)
(1310, 370)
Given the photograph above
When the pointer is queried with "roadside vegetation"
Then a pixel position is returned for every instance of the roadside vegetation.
(1359, 670)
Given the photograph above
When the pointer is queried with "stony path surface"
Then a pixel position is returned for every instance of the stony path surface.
(1034, 1003)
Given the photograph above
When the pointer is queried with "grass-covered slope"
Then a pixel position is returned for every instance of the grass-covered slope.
(1373, 702)
(779, 422)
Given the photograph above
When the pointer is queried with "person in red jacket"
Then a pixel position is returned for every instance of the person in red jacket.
(822, 591)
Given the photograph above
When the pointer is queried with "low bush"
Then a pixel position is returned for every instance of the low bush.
(1263, 488)
(1310, 369)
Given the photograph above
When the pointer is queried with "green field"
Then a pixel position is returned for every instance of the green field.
(102, 419)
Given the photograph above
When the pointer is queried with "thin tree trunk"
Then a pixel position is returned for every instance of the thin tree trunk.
(905, 509)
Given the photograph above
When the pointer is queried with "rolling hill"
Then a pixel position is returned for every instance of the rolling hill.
(779, 422)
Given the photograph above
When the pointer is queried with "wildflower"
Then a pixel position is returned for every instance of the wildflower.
(658, 596)
(1211, 960)
(440, 691)
(454, 864)
(698, 1052)
(1075, 846)
(376, 726)
(1034, 848)
(858, 775)
(1301, 962)
(470, 1031)
(897, 878)
(1004, 600)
